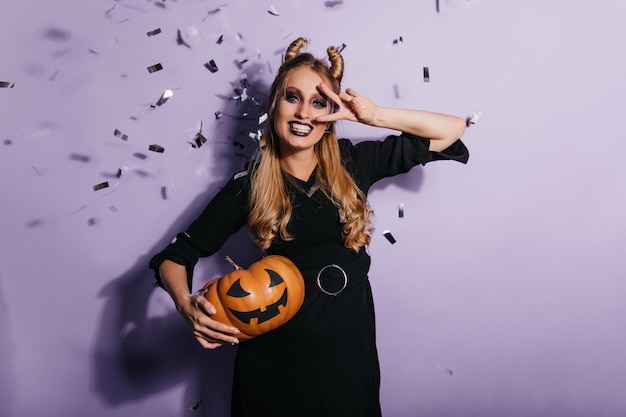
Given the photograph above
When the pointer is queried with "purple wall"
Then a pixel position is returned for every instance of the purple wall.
(504, 294)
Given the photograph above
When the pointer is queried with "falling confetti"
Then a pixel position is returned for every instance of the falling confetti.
(398, 40)
(156, 148)
(155, 68)
(239, 145)
(211, 66)
(7, 142)
(164, 97)
(154, 32)
(180, 40)
(389, 236)
(426, 75)
(342, 47)
(164, 193)
(401, 210)
(198, 140)
(6, 84)
(120, 135)
(444, 369)
(101, 186)
(218, 114)
(472, 120)
(273, 11)
(196, 405)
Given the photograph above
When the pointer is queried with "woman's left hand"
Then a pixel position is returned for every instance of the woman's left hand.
(352, 106)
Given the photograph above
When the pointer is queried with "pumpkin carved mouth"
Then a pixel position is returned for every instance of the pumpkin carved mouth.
(270, 312)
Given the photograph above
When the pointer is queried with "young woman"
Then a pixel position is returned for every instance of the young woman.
(305, 198)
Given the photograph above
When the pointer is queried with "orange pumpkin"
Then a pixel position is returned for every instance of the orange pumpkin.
(258, 299)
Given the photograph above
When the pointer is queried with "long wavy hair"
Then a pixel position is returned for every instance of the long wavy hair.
(270, 206)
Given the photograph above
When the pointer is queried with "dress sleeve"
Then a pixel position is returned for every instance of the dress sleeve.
(225, 214)
(398, 154)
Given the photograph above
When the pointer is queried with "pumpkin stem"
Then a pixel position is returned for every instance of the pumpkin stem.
(233, 263)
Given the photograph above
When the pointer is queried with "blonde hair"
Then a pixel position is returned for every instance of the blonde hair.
(270, 206)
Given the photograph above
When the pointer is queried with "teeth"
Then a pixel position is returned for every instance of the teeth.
(300, 128)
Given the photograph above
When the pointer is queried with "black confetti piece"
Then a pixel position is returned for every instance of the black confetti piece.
(154, 32)
(196, 405)
(156, 148)
(426, 75)
(180, 40)
(398, 40)
(198, 140)
(273, 11)
(218, 114)
(342, 47)
(164, 193)
(389, 236)
(120, 135)
(101, 186)
(91, 221)
(164, 97)
(155, 68)
(401, 210)
(211, 66)
(79, 158)
(239, 145)
(6, 84)
(7, 142)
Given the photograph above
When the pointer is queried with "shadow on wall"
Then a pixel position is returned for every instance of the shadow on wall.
(7, 376)
(136, 356)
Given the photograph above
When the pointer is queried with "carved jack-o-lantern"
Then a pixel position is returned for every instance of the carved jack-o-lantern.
(258, 299)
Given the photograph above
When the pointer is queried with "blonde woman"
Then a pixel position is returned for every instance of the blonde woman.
(305, 198)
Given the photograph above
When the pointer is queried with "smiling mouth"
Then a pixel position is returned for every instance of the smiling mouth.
(300, 129)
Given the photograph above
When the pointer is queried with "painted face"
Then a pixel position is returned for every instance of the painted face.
(296, 111)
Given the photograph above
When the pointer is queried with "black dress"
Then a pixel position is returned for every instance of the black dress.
(324, 361)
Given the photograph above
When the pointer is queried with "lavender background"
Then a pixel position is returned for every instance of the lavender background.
(504, 294)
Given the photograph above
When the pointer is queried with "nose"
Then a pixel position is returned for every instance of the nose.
(303, 111)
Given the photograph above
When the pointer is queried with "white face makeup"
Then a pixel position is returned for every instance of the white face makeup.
(297, 109)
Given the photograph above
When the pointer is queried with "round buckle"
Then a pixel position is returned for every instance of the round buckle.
(345, 280)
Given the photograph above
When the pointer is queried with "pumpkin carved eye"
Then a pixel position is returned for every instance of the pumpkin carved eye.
(275, 279)
(236, 290)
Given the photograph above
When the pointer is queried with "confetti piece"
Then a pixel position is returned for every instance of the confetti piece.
(164, 97)
(389, 236)
(155, 68)
(220, 40)
(239, 145)
(218, 114)
(91, 221)
(101, 186)
(199, 140)
(79, 158)
(7, 142)
(398, 40)
(262, 118)
(164, 193)
(333, 3)
(140, 155)
(154, 32)
(119, 173)
(211, 66)
(426, 75)
(396, 91)
(401, 210)
(120, 135)
(156, 148)
(342, 47)
(180, 40)
(6, 84)
(113, 209)
(199, 403)
(273, 11)
(444, 369)
(472, 120)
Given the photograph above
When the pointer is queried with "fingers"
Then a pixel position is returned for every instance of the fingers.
(209, 333)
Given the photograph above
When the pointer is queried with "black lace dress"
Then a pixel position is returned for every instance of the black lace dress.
(324, 361)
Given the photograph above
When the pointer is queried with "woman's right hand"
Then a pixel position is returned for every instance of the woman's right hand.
(197, 311)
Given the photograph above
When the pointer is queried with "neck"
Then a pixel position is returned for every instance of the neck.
(300, 164)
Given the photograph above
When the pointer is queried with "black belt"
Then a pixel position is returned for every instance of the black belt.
(333, 278)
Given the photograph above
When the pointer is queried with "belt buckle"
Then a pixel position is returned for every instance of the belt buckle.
(345, 280)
